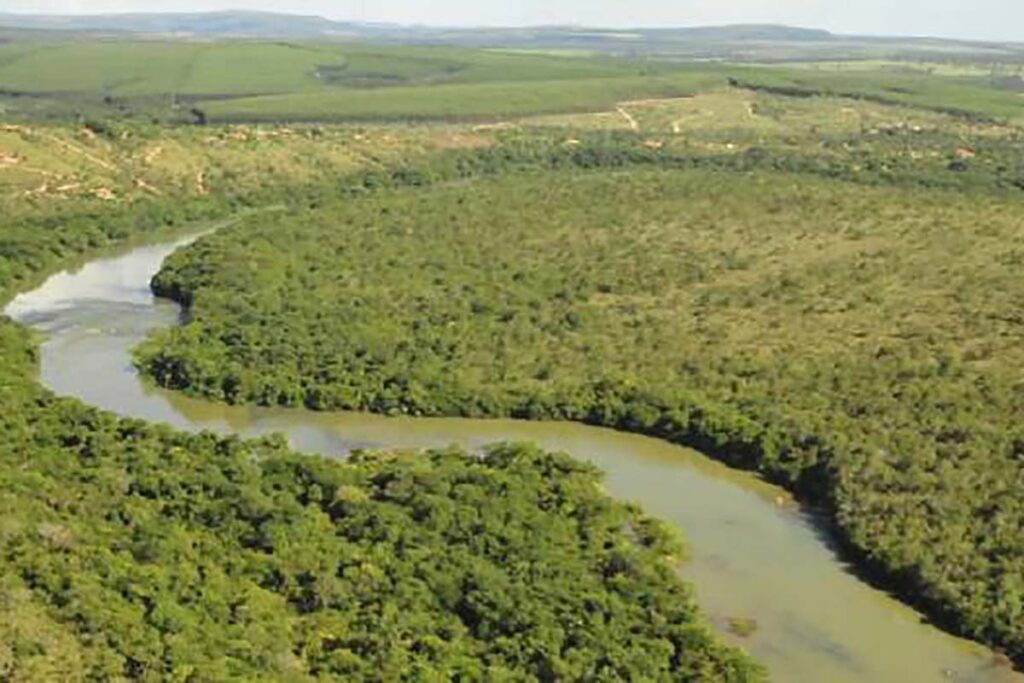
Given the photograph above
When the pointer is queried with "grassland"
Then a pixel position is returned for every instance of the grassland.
(978, 69)
(126, 68)
(485, 101)
(155, 77)
(254, 81)
(45, 165)
(961, 95)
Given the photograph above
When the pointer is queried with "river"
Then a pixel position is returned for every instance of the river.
(754, 554)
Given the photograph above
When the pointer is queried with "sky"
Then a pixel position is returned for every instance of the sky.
(971, 19)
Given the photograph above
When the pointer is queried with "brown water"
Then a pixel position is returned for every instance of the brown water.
(754, 554)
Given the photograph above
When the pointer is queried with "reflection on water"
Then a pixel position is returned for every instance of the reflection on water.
(752, 553)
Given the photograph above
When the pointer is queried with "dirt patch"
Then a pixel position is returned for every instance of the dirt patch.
(655, 101)
(634, 125)
(502, 125)
(455, 140)
(143, 185)
(40, 190)
(83, 152)
(153, 154)
(247, 134)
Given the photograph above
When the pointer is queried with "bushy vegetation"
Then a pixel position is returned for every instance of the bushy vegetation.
(973, 97)
(853, 341)
(133, 552)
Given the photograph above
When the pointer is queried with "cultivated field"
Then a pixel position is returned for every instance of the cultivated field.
(252, 81)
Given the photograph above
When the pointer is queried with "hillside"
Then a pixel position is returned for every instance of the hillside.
(163, 79)
(746, 42)
(271, 24)
(230, 23)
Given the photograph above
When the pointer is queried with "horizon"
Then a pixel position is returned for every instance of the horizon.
(944, 19)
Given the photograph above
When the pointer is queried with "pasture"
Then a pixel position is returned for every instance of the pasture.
(192, 81)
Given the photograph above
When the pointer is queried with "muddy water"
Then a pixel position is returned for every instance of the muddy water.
(754, 555)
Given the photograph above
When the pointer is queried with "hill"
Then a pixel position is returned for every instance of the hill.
(747, 42)
(271, 24)
(229, 23)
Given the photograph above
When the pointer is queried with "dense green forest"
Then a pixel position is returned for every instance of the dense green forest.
(857, 341)
(134, 552)
(821, 289)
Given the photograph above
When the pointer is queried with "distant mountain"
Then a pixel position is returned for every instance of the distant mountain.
(702, 41)
(744, 42)
(269, 24)
(746, 32)
(232, 23)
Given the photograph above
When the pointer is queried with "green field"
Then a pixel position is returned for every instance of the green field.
(150, 75)
(191, 69)
(469, 101)
(253, 81)
(956, 94)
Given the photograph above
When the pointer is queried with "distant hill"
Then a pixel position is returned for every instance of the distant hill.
(270, 24)
(744, 42)
(739, 32)
(232, 23)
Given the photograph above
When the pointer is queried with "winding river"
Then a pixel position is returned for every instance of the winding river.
(754, 553)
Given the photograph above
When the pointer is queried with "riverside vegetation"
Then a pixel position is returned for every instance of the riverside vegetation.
(134, 552)
(850, 334)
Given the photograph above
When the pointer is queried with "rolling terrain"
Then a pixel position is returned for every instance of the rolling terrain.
(753, 42)
(261, 67)
(806, 269)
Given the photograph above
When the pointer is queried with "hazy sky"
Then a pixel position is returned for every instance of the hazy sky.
(983, 19)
